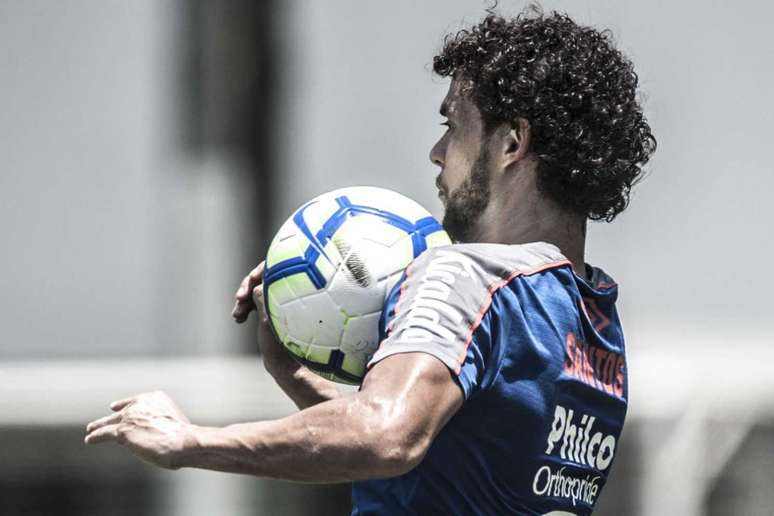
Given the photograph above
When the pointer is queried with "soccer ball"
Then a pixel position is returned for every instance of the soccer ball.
(330, 269)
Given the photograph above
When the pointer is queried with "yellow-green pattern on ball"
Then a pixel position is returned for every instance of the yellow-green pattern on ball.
(327, 313)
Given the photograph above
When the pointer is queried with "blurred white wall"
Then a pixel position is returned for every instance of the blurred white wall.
(114, 241)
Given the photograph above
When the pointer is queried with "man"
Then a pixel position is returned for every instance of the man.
(514, 401)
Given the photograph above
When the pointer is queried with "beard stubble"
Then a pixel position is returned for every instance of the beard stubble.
(465, 205)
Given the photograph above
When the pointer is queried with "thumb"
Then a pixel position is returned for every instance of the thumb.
(258, 295)
(259, 304)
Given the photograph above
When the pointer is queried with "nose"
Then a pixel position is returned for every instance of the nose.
(437, 153)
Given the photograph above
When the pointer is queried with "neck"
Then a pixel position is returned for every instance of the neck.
(511, 218)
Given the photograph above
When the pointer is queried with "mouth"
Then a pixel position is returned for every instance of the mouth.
(441, 190)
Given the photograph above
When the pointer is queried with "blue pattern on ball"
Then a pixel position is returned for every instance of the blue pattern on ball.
(418, 231)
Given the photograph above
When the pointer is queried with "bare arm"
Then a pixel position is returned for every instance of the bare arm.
(300, 384)
(383, 430)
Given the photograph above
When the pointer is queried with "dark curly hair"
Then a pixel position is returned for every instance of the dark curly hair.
(577, 92)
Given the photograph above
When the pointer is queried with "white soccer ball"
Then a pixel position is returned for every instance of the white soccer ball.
(330, 269)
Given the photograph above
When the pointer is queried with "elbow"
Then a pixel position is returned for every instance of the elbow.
(398, 450)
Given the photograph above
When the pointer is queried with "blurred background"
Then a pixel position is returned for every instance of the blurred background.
(150, 150)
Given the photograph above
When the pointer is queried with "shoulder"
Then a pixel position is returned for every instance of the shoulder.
(445, 297)
(485, 264)
(448, 290)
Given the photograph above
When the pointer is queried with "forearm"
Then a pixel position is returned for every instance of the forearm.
(337, 441)
(301, 385)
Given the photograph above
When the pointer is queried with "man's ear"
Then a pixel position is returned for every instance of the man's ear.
(516, 144)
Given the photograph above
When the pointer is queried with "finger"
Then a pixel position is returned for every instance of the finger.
(260, 306)
(120, 404)
(244, 288)
(249, 282)
(244, 302)
(236, 311)
(256, 275)
(104, 421)
(241, 310)
(257, 295)
(102, 435)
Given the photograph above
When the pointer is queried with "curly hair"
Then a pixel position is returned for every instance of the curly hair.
(578, 94)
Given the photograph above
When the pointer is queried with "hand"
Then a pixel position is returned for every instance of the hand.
(149, 424)
(244, 295)
(249, 297)
(303, 386)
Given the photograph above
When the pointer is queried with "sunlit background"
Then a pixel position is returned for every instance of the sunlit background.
(150, 149)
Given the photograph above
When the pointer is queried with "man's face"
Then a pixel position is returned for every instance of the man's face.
(463, 184)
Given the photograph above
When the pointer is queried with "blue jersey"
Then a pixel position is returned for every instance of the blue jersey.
(539, 355)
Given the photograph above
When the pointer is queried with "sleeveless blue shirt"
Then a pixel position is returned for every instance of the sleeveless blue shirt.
(539, 355)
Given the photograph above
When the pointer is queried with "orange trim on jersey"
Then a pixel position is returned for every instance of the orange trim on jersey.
(397, 310)
(400, 299)
(494, 287)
